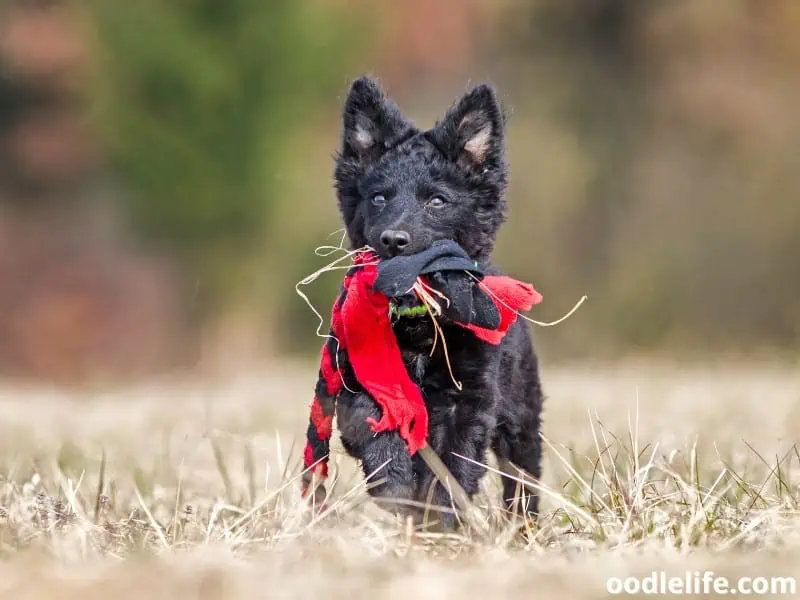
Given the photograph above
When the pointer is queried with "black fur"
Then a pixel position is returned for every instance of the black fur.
(445, 183)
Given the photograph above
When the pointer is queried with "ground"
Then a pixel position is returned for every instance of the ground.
(177, 489)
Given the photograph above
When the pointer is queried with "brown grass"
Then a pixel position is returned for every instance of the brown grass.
(174, 490)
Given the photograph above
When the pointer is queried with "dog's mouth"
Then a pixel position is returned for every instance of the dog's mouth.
(407, 306)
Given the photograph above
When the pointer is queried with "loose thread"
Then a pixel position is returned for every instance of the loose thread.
(434, 309)
(519, 314)
(309, 279)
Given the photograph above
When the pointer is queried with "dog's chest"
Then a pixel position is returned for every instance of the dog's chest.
(415, 339)
(424, 357)
(438, 391)
(416, 364)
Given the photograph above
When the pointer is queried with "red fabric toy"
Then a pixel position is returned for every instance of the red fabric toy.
(361, 327)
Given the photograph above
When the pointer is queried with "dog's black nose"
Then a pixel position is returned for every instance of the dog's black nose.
(395, 241)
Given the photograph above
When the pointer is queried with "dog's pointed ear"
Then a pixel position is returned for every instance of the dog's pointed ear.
(471, 132)
(372, 122)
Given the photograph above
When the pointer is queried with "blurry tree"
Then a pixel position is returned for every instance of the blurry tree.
(653, 149)
(655, 169)
(195, 101)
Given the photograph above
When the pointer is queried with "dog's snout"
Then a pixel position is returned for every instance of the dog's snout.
(395, 241)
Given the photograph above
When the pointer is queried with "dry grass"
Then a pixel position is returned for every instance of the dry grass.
(180, 491)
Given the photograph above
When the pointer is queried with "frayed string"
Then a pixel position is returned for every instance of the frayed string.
(334, 265)
(425, 293)
(519, 314)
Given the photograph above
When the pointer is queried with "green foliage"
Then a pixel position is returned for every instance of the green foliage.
(195, 101)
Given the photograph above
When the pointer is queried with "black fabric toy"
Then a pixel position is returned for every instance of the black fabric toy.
(450, 271)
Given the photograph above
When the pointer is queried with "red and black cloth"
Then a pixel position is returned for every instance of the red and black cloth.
(361, 327)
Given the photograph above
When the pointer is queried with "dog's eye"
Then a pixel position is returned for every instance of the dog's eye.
(436, 202)
(379, 200)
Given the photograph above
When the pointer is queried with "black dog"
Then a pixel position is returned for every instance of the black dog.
(400, 190)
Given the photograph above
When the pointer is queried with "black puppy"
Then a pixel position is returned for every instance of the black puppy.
(400, 190)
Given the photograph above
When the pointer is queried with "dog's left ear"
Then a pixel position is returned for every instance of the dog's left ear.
(471, 132)
(372, 122)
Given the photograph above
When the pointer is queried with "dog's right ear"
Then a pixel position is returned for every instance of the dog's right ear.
(372, 122)
(372, 125)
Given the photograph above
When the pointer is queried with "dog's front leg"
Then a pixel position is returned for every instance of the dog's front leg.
(384, 456)
(460, 425)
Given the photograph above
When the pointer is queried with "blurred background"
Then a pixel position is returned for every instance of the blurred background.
(166, 171)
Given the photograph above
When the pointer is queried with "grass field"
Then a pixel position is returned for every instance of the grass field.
(176, 490)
